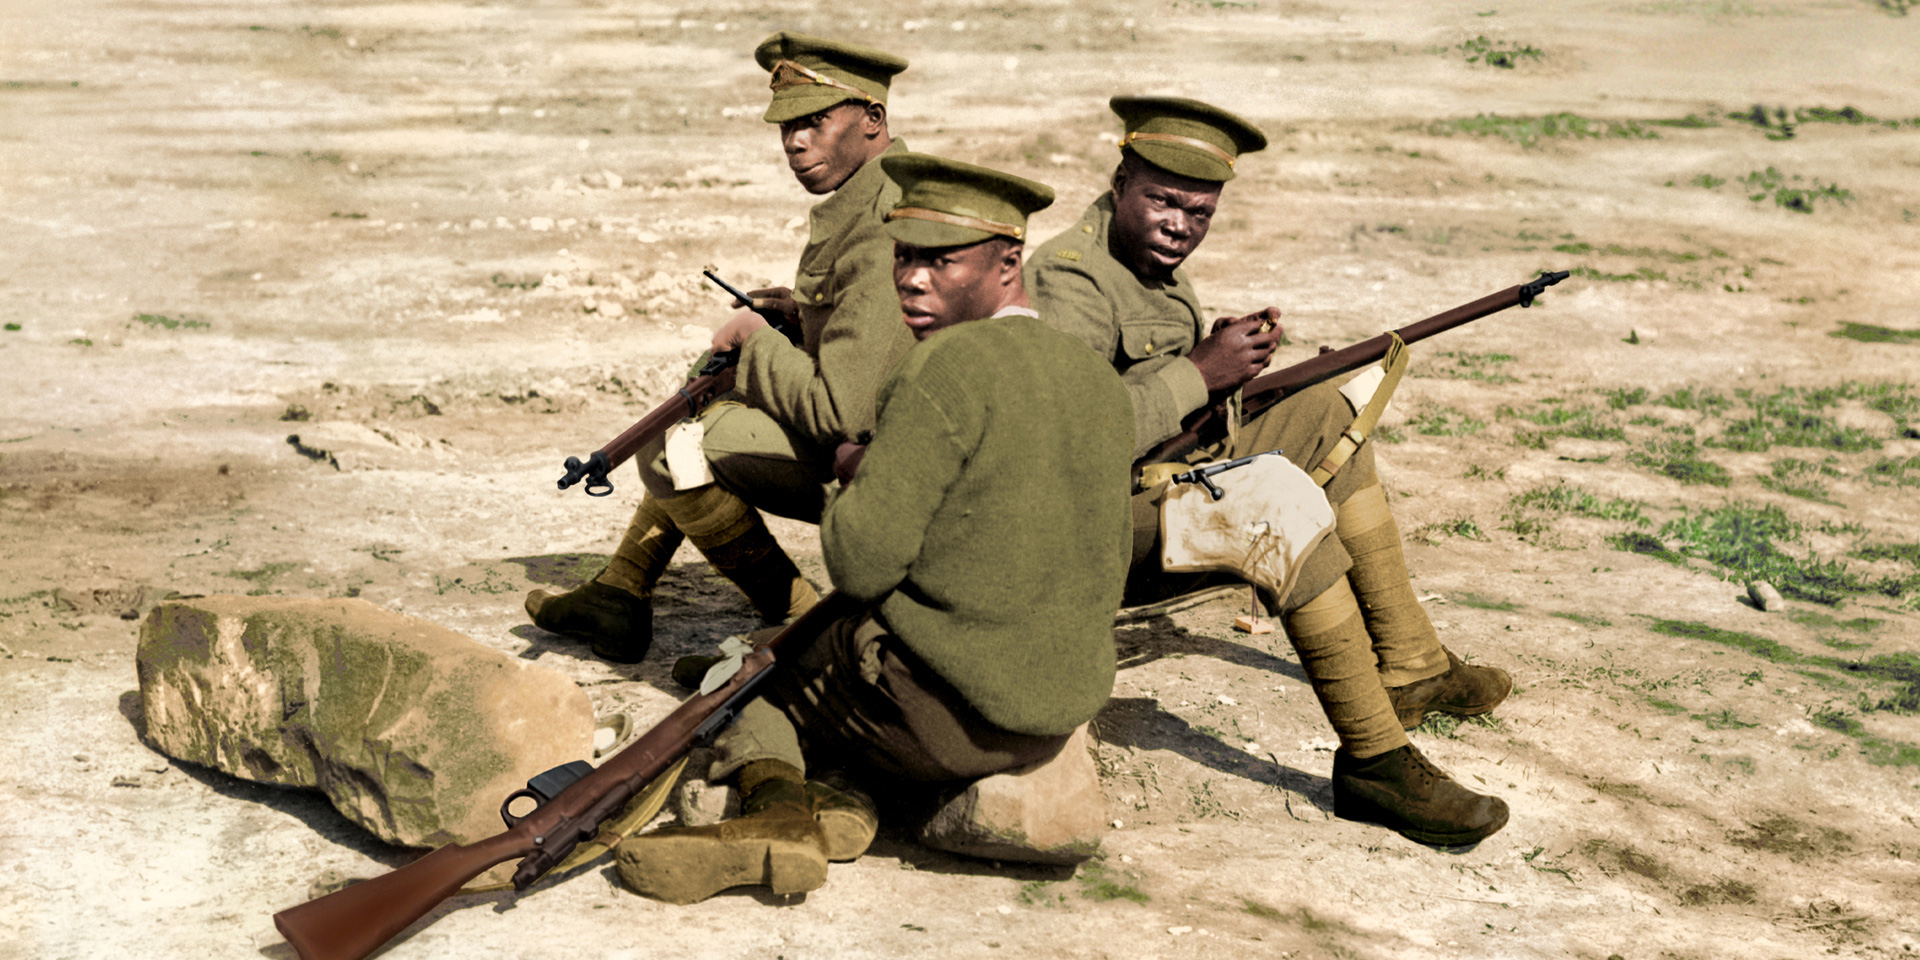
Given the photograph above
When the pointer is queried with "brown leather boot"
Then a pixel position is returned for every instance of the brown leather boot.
(775, 843)
(848, 818)
(1463, 691)
(1403, 791)
(617, 624)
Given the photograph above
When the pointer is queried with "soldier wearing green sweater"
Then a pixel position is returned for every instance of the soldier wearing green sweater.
(1114, 281)
(988, 532)
(771, 447)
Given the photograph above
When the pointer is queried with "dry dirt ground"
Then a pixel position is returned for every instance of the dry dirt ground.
(390, 229)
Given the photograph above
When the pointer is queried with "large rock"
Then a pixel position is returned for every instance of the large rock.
(412, 730)
(1050, 812)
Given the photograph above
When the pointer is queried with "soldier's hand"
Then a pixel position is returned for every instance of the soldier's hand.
(846, 461)
(1237, 350)
(778, 299)
(735, 332)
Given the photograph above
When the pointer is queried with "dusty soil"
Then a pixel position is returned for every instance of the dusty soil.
(389, 228)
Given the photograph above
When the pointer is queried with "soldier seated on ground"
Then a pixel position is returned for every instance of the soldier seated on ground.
(987, 531)
(770, 446)
(1114, 280)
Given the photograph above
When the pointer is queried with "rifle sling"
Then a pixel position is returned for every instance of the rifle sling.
(1363, 424)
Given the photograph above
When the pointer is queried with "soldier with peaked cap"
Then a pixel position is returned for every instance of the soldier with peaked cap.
(1114, 280)
(771, 447)
(988, 534)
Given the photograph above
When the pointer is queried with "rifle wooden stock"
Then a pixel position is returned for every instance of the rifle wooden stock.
(715, 379)
(351, 923)
(1268, 389)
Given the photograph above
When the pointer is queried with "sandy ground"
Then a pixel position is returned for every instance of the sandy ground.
(390, 228)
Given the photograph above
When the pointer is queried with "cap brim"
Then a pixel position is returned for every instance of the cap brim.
(926, 233)
(802, 103)
(1185, 161)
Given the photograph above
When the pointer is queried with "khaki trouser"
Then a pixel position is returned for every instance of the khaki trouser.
(1306, 426)
(858, 700)
(755, 458)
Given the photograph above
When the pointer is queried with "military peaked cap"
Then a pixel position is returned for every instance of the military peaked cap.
(946, 203)
(811, 74)
(1186, 137)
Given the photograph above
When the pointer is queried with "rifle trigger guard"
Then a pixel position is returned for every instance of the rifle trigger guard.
(506, 806)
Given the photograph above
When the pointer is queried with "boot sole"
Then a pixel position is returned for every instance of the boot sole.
(1375, 815)
(683, 870)
(848, 834)
(1412, 718)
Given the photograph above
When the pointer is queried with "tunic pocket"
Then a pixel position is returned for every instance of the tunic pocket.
(1144, 339)
(814, 291)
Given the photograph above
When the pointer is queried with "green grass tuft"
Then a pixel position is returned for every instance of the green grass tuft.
(1680, 460)
(1870, 333)
(1529, 131)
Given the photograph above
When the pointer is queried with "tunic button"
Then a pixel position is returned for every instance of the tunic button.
(1085, 229)
(817, 297)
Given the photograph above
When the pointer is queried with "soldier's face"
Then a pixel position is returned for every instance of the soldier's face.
(824, 149)
(1160, 217)
(943, 286)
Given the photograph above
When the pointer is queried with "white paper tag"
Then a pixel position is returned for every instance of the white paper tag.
(1360, 389)
(687, 455)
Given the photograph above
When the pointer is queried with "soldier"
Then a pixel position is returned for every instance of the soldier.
(1114, 281)
(988, 532)
(773, 449)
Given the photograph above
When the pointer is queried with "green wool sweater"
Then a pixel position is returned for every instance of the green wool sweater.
(990, 518)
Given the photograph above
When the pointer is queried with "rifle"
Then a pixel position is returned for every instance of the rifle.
(351, 923)
(1205, 425)
(713, 379)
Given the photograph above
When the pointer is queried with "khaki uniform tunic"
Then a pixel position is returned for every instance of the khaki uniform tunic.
(1146, 329)
(772, 444)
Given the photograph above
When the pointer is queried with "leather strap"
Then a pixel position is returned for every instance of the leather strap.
(1202, 145)
(956, 220)
(1363, 424)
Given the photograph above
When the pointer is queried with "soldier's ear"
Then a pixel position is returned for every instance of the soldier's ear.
(876, 120)
(1010, 261)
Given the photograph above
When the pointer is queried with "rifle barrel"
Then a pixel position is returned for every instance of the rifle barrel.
(1268, 389)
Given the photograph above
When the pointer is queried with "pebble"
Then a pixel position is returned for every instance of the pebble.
(1177, 931)
(1765, 596)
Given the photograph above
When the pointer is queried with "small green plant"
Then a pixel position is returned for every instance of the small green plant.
(1463, 527)
(1724, 719)
(1497, 53)
(1706, 401)
(1743, 541)
(1583, 619)
(1893, 472)
(1479, 602)
(1870, 333)
(1771, 182)
(1387, 433)
(1624, 398)
(12, 327)
(1529, 131)
(1561, 421)
(1444, 422)
(1470, 366)
(1679, 459)
(1799, 478)
(154, 320)
(1708, 181)
(1099, 883)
